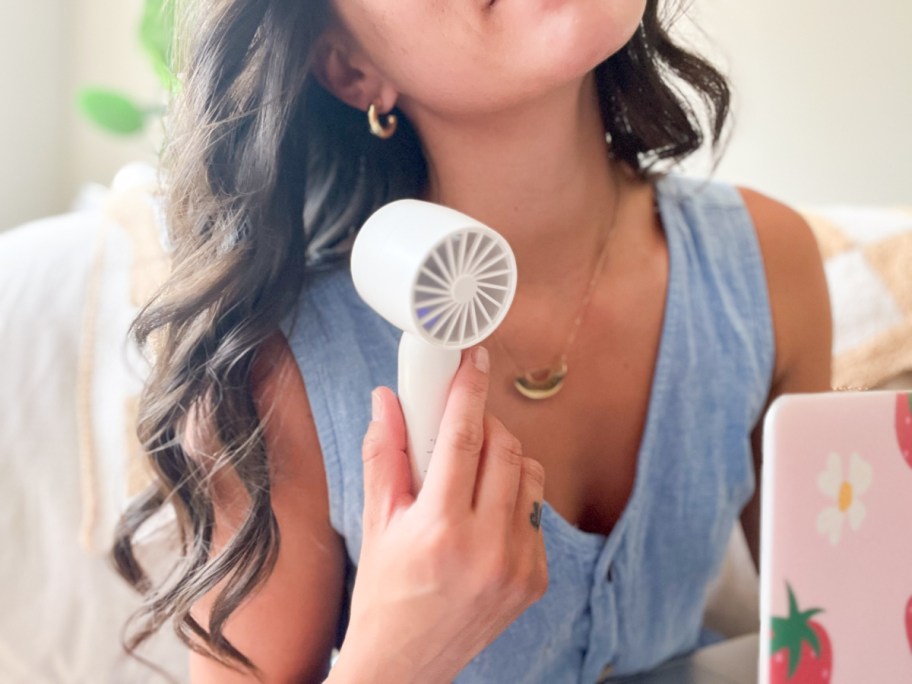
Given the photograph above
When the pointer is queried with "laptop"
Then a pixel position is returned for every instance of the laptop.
(836, 542)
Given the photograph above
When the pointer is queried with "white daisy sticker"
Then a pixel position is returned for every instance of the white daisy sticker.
(844, 489)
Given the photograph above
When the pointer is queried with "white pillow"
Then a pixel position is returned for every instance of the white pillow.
(60, 492)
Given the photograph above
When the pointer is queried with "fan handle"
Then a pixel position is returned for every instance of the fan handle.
(425, 374)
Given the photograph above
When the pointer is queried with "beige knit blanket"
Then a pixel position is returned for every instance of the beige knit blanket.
(868, 259)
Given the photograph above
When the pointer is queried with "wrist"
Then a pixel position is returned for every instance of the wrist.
(361, 664)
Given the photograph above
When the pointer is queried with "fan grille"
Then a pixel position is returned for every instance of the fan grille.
(464, 287)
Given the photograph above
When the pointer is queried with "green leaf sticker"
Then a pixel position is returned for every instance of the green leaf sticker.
(792, 631)
(112, 111)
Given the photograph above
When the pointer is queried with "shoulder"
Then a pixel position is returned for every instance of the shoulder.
(784, 234)
(283, 405)
(295, 457)
(288, 625)
(799, 301)
(274, 369)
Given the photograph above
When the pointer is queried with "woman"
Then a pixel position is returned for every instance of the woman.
(654, 320)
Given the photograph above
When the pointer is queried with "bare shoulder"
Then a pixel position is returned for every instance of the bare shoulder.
(296, 458)
(800, 309)
(798, 295)
(284, 409)
(780, 227)
(288, 626)
(275, 372)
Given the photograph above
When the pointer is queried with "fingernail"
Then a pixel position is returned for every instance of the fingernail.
(481, 359)
(376, 405)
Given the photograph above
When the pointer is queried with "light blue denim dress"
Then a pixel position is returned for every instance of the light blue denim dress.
(625, 602)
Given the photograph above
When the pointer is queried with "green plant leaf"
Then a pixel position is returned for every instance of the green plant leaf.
(156, 35)
(112, 111)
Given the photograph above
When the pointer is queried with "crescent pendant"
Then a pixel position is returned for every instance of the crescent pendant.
(541, 383)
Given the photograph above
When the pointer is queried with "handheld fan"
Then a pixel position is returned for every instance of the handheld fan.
(447, 282)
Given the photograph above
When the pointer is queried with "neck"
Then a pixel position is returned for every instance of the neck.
(540, 174)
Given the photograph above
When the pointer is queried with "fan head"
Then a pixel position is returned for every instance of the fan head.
(464, 288)
(434, 272)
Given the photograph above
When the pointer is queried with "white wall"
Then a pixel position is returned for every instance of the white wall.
(33, 46)
(107, 53)
(823, 97)
(48, 50)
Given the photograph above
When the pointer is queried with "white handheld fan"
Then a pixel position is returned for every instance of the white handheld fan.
(447, 282)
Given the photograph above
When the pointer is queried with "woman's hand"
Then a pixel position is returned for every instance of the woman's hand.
(443, 573)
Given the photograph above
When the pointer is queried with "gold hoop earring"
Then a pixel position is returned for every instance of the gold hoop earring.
(383, 131)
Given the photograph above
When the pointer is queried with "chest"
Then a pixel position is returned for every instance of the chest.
(588, 435)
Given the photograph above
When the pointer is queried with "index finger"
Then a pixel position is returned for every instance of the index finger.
(453, 468)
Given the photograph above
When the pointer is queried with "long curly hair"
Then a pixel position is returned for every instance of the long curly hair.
(268, 178)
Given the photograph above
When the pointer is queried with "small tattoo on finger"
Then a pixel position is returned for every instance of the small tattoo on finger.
(536, 515)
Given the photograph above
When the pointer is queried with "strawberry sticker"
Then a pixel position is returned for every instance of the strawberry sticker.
(801, 652)
(904, 425)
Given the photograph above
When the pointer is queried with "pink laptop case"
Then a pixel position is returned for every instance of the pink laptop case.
(836, 576)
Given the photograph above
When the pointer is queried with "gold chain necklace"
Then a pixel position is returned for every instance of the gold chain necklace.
(546, 381)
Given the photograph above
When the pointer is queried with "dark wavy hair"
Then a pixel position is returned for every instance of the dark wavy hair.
(268, 178)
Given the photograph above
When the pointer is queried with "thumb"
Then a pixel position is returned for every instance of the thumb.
(387, 476)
